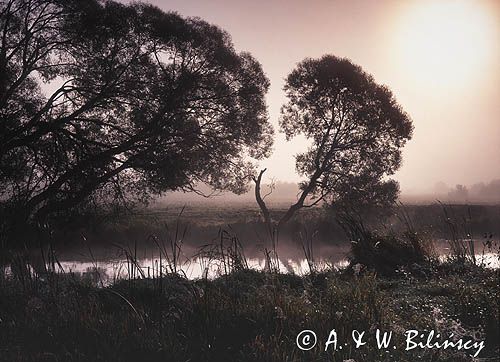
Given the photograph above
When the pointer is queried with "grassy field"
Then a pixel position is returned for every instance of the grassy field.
(204, 221)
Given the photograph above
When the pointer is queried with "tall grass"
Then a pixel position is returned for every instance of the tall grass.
(225, 253)
(460, 235)
(244, 315)
(156, 313)
(385, 252)
(307, 242)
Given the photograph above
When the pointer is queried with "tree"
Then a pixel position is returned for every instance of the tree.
(104, 101)
(356, 129)
(459, 194)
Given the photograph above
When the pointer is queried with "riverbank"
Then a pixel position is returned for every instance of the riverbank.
(248, 315)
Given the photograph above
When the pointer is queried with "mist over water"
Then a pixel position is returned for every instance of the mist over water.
(107, 265)
(204, 237)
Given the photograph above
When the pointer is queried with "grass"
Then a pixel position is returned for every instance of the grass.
(244, 315)
(386, 252)
(248, 315)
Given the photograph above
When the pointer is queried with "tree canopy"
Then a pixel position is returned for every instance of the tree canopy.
(356, 129)
(105, 101)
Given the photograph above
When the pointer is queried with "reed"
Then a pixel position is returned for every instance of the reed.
(460, 235)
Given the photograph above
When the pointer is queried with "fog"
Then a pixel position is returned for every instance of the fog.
(283, 194)
(441, 59)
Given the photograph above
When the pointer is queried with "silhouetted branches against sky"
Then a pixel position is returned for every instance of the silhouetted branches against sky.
(141, 102)
(357, 130)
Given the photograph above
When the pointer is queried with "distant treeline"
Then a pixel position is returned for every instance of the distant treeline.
(481, 192)
(284, 192)
(484, 193)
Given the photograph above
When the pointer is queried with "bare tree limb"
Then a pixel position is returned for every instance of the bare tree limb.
(261, 202)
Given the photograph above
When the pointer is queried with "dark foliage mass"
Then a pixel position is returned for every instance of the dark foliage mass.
(356, 127)
(101, 101)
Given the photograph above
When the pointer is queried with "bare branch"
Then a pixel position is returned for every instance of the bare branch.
(261, 202)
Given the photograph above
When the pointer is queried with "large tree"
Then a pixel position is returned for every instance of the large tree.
(100, 100)
(356, 130)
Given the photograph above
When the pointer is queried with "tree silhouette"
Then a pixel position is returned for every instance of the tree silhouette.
(104, 101)
(356, 129)
(460, 193)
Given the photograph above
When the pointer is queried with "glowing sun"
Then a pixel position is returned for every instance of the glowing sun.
(447, 42)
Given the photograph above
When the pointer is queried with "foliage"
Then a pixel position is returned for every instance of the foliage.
(356, 129)
(101, 101)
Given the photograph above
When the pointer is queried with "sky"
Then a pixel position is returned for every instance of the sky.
(440, 58)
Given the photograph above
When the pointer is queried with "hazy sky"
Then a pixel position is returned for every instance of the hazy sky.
(440, 58)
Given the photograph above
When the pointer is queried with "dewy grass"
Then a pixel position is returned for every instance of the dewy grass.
(247, 315)
(244, 315)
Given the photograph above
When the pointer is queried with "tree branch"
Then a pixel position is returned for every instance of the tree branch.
(261, 202)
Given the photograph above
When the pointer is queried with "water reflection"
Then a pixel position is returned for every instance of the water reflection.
(106, 266)
(112, 270)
